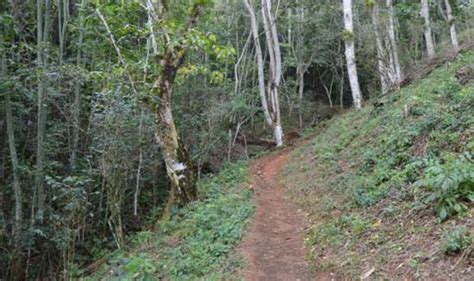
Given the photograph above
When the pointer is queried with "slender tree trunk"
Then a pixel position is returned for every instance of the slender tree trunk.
(273, 118)
(395, 64)
(381, 60)
(341, 90)
(452, 26)
(425, 13)
(393, 42)
(273, 46)
(260, 64)
(140, 164)
(302, 62)
(76, 114)
(300, 73)
(43, 28)
(63, 20)
(13, 155)
(350, 54)
(329, 90)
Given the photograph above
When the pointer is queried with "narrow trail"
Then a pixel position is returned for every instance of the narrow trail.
(273, 247)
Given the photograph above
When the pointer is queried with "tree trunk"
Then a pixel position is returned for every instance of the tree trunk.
(381, 60)
(63, 20)
(13, 155)
(76, 113)
(452, 26)
(178, 163)
(300, 73)
(260, 65)
(341, 89)
(350, 54)
(136, 194)
(43, 29)
(273, 118)
(393, 43)
(425, 13)
(273, 46)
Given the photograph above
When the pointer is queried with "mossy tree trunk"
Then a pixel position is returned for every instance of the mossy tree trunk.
(176, 157)
(425, 13)
(452, 26)
(179, 167)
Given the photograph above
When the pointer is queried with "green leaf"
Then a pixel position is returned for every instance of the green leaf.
(443, 214)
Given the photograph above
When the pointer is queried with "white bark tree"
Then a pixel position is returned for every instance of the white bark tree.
(452, 26)
(350, 53)
(381, 59)
(273, 46)
(271, 111)
(387, 49)
(393, 43)
(425, 13)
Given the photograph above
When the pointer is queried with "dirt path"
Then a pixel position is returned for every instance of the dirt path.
(273, 247)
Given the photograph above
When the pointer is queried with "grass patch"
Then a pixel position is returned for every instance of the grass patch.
(197, 241)
(379, 182)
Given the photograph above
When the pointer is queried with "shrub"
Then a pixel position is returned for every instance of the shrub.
(456, 241)
(451, 184)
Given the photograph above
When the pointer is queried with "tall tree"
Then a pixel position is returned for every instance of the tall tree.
(387, 49)
(452, 26)
(273, 46)
(178, 163)
(381, 58)
(63, 21)
(349, 43)
(393, 44)
(13, 153)
(425, 13)
(76, 111)
(302, 50)
(43, 14)
(272, 117)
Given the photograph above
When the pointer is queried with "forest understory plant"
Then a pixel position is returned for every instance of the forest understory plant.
(397, 184)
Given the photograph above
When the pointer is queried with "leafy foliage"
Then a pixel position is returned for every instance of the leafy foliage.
(197, 240)
(451, 184)
(456, 241)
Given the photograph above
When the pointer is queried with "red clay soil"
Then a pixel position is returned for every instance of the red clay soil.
(273, 247)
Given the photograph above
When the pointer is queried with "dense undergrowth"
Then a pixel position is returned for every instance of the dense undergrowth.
(390, 188)
(196, 242)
